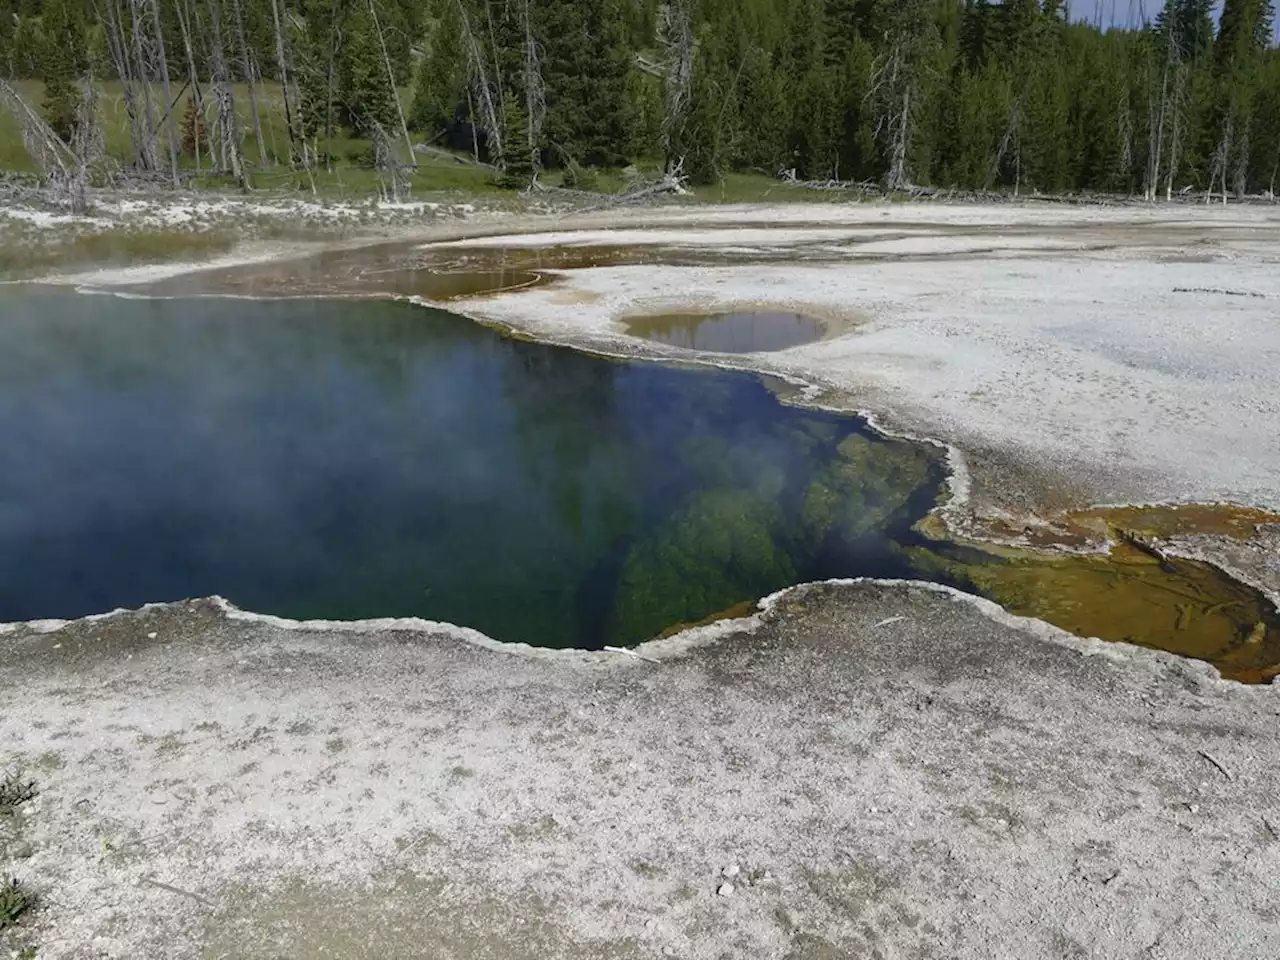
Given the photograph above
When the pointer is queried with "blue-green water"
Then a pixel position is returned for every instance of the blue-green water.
(356, 459)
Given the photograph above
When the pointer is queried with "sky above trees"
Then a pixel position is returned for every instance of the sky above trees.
(1128, 13)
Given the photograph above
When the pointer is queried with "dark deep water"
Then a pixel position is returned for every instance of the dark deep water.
(357, 459)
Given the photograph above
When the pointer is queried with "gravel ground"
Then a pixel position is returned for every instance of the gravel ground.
(864, 770)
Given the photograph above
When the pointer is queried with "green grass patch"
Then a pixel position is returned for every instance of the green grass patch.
(15, 900)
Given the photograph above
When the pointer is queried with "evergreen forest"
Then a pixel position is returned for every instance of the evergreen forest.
(1019, 96)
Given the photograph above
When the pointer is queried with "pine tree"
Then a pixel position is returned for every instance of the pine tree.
(967, 93)
(367, 93)
(610, 121)
(311, 45)
(976, 34)
(518, 166)
(587, 68)
(1189, 23)
(8, 19)
(63, 58)
(195, 134)
(440, 84)
(1243, 33)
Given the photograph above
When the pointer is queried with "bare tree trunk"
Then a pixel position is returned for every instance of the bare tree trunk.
(140, 69)
(471, 117)
(1012, 138)
(250, 77)
(1218, 171)
(1157, 134)
(163, 60)
(282, 65)
(534, 90)
(1240, 180)
(120, 49)
(335, 38)
(392, 182)
(1177, 109)
(1125, 122)
(193, 75)
(88, 144)
(391, 80)
(677, 38)
(478, 72)
(497, 59)
(228, 123)
(145, 77)
(893, 85)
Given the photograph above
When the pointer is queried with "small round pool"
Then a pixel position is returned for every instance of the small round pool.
(739, 331)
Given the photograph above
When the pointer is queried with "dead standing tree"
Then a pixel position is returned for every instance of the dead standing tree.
(65, 169)
(144, 70)
(1222, 157)
(249, 71)
(134, 88)
(480, 81)
(676, 37)
(535, 92)
(1168, 115)
(895, 86)
(391, 78)
(89, 147)
(183, 12)
(393, 179)
(160, 64)
(1010, 141)
(227, 128)
(288, 86)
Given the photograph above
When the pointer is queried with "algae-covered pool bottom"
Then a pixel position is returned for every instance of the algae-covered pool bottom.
(355, 459)
(358, 459)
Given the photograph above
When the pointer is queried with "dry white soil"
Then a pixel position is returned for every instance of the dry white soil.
(863, 771)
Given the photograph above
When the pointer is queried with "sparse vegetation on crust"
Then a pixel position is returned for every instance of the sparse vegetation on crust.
(15, 790)
(15, 900)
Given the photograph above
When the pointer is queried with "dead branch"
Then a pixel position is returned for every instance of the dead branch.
(1213, 760)
(427, 150)
(64, 168)
(673, 183)
(159, 885)
(790, 178)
